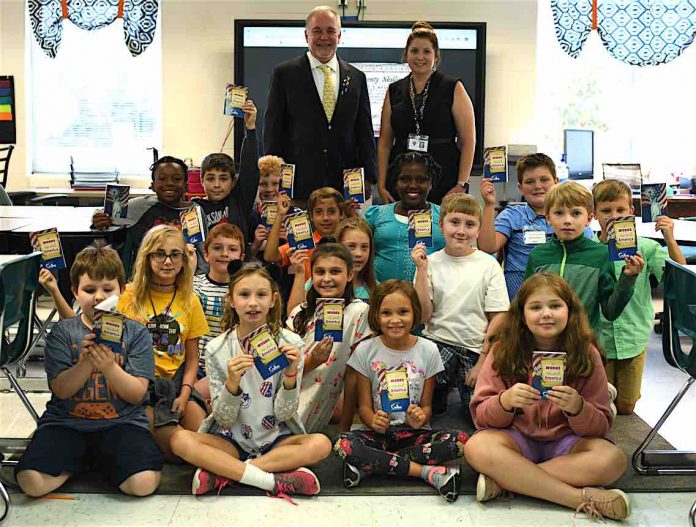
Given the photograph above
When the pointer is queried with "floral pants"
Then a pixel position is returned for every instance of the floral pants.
(393, 451)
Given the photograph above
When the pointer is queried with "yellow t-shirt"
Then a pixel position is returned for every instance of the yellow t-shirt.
(171, 330)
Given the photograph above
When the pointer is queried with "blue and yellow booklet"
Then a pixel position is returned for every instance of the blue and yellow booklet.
(420, 227)
(192, 225)
(268, 358)
(622, 237)
(299, 229)
(48, 242)
(287, 179)
(394, 396)
(329, 319)
(109, 324)
(354, 184)
(548, 370)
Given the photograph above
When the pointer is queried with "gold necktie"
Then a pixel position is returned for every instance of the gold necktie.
(328, 98)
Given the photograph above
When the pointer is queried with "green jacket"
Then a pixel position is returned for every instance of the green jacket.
(585, 265)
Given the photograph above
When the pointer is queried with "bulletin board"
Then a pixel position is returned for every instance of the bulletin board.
(8, 116)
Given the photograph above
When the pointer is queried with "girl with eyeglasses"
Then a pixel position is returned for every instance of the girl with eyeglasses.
(161, 297)
(412, 175)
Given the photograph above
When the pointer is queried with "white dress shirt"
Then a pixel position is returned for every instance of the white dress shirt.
(318, 75)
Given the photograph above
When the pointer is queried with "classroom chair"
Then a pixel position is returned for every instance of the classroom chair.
(679, 319)
(18, 283)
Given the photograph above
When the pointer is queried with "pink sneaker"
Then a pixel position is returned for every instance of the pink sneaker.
(300, 481)
(204, 481)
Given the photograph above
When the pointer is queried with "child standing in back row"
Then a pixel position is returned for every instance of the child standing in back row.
(519, 227)
(625, 339)
(582, 262)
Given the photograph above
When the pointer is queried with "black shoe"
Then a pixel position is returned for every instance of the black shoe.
(450, 489)
(351, 476)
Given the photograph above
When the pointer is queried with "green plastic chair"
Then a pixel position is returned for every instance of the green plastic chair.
(679, 321)
(18, 282)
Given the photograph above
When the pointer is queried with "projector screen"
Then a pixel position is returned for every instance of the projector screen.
(376, 48)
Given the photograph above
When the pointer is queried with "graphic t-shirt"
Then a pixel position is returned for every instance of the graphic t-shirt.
(95, 406)
(374, 360)
(170, 324)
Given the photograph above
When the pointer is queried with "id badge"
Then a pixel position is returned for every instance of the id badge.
(418, 143)
(534, 237)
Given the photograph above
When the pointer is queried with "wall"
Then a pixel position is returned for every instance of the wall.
(198, 57)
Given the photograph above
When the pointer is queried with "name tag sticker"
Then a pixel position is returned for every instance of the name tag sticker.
(534, 237)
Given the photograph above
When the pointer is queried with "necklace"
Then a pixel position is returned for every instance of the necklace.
(154, 310)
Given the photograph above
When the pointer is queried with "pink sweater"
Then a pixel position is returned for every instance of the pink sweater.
(544, 421)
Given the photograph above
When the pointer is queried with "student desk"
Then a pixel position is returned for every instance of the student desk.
(80, 196)
(73, 224)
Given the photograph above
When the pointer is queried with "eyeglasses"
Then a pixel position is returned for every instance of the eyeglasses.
(160, 257)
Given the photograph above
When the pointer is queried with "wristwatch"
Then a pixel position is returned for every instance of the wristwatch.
(464, 185)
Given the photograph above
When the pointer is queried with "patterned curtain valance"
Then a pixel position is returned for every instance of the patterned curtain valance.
(638, 32)
(139, 20)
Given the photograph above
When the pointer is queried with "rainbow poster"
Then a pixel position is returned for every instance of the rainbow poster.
(8, 131)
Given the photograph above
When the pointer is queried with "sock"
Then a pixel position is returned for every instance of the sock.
(435, 476)
(255, 477)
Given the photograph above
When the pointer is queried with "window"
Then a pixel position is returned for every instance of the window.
(95, 102)
(639, 115)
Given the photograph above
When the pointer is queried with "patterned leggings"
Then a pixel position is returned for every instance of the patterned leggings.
(392, 452)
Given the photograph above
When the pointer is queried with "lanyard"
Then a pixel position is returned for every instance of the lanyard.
(152, 303)
(418, 112)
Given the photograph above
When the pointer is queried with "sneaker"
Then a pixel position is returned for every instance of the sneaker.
(487, 489)
(300, 481)
(612, 397)
(204, 481)
(601, 503)
(351, 476)
(449, 485)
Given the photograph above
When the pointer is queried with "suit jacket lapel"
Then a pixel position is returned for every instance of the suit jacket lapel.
(311, 87)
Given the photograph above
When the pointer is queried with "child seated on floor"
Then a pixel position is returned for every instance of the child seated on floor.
(395, 374)
(552, 447)
(625, 339)
(224, 244)
(96, 416)
(161, 298)
(254, 435)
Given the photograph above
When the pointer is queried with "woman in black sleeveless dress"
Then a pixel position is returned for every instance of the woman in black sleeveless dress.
(427, 110)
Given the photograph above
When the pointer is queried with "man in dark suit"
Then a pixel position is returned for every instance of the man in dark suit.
(318, 112)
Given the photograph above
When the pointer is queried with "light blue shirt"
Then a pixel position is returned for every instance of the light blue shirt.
(392, 253)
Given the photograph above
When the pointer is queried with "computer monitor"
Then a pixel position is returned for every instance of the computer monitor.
(629, 173)
(578, 146)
